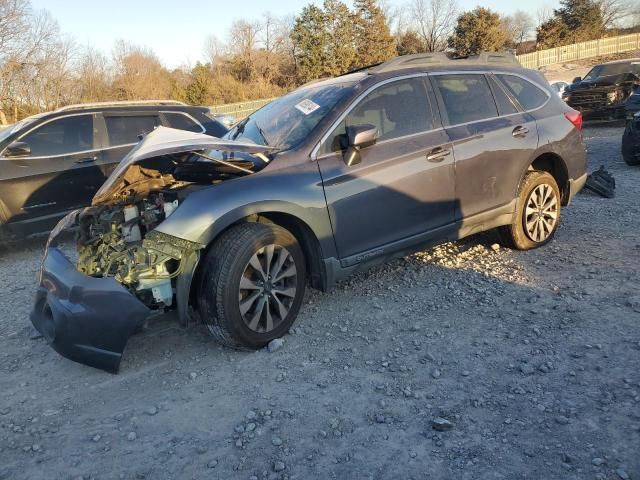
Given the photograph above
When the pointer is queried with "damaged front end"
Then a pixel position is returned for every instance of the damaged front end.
(603, 98)
(123, 269)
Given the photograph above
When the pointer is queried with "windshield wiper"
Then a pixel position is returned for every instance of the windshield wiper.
(261, 132)
(240, 128)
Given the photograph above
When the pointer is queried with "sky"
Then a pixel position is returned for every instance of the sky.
(176, 31)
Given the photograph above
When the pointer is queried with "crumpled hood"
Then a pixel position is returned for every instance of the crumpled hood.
(166, 141)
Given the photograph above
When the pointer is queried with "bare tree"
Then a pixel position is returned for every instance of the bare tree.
(616, 12)
(544, 14)
(214, 50)
(519, 27)
(434, 20)
(94, 76)
(138, 73)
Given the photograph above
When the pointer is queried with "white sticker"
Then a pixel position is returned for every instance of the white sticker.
(307, 106)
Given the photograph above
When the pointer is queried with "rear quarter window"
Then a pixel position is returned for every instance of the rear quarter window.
(182, 122)
(527, 94)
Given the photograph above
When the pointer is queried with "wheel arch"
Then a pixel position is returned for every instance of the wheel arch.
(553, 164)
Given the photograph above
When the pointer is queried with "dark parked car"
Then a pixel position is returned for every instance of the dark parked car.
(632, 105)
(602, 93)
(55, 162)
(631, 141)
(333, 178)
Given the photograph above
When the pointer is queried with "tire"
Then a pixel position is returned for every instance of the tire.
(231, 293)
(536, 230)
(630, 147)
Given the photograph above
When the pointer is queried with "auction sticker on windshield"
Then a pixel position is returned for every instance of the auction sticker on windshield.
(307, 106)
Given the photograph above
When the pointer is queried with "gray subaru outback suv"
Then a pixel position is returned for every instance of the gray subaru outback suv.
(335, 177)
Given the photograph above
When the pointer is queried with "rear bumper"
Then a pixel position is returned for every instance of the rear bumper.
(575, 185)
(88, 320)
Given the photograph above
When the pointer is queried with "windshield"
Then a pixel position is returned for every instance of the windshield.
(285, 122)
(5, 132)
(612, 69)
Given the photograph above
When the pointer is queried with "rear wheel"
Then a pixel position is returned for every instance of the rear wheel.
(252, 285)
(537, 213)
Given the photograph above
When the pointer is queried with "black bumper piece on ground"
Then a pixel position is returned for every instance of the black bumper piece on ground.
(88, 320)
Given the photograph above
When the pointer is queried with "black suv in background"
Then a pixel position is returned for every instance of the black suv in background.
(54, 162)
(332, 178)
(602, 93)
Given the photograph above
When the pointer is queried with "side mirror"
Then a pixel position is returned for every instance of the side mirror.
(358, 136)
(577, 80)
(18, 149)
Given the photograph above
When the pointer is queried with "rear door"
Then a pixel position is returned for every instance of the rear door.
(404, 185)
(492, 140)
(59, 174)
(121, 131)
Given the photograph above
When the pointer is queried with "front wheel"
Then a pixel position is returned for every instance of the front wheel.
(537, 213)
(252, 285)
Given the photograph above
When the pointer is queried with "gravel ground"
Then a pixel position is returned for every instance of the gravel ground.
(467, 361)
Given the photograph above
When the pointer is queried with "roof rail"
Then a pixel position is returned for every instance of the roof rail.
(418, 60)
(133, 103)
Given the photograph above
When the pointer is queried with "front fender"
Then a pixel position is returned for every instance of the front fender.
(295, 191)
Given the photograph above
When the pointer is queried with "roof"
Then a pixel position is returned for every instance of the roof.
(438, 59)
(126, 103)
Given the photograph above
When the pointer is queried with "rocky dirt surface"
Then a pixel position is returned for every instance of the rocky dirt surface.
(468, 361)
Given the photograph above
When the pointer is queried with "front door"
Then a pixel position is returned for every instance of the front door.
(404, 185)
(60, 173)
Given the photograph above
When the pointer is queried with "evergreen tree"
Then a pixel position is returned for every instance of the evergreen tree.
(575, 21)
(340, 31)
(409, 43)
(374, 42)
(310, 40)
(198, 92)
(476, 31)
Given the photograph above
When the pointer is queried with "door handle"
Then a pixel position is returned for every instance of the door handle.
(84, 160)
(520, 131)
(438, 154)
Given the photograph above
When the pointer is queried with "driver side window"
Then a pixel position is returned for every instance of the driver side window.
(397, 109)
(66, 135)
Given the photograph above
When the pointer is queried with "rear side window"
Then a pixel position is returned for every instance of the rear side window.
(466, 97)
(398, 109)
(182, 122)
(62, 136)
(525, 92)
(127, 129)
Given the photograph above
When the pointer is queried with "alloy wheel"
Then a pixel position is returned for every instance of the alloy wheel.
(541, 213)
(267, 288)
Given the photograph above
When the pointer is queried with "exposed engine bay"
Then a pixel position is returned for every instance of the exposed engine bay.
(117, 236)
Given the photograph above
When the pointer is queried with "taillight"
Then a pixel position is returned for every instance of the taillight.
(575, 117)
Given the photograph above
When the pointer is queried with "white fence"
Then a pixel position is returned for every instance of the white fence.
(577, 51)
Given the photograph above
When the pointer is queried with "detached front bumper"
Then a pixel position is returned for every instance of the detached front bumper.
(88, 320)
